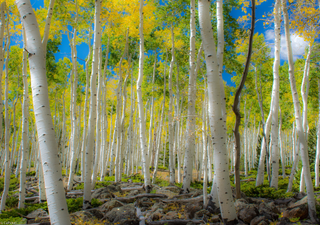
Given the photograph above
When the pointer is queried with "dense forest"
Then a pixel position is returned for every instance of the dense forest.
(109, 103)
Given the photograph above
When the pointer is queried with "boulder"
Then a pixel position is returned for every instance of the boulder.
(257, 220)
(283, 221)
(106, 192)
(156, 215)
(297, 212)
(247, 213)
(191, 209)
(171, 215)
(108, 206)
(123, 215)
(82, 216)
(302, 201)
(38, 213)
(202, 214)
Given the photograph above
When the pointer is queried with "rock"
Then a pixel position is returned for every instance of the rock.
(133, 193)
(106, 192)
(108, 206)
(157, 215)
(123, 215)
(96, 213)
(269, 207)
(202, 214)
(300, 195)
(191, 209)
(196, 193)
(257, 220)
(212, 207)
(167, 192)
(159, 205)
(240, 203)
(263, 223)
(171, 215)
(283, 221)
(38, 213)
(174, 189)
(298, 203)
(82, 216)
(300, 211)
(247, 213)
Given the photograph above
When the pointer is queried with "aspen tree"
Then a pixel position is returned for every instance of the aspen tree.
(190, 128)
(84, 132)
(275, 99)
(142, 122)
(46, 136)
(73, 142)
(217, 106)
(7, 159)
(93, 107)
(2, 24)
(299, 126)
(150, 145)
(170, 116)
(317, 160)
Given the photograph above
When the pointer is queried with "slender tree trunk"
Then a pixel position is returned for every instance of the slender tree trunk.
(302, 137)
(142, 122)
(317, 159)
(48, 146)
(170, 117)
(24, 136)
(275, 99)
(190, 128)
(93, 107)
(236, 105)
(217, 107)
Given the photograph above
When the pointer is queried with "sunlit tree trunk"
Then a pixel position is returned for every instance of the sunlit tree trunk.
(84, 132)
(170, 117)
(7, 130)
(142, 122)
(73, 141)
(190, 128)
(217, 117)
(302, 137)
(24, 136)
(304, 94)
(317, 159)
(275, 99)
(93, 107)
(46, 136)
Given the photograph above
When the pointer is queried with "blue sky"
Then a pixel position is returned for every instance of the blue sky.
(266, 7)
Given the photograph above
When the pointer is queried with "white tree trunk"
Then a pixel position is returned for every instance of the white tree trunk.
(275, 99)
(217, 106)
(300, 131)
(24, 136)
(190, 128)
(93, 107)
(317, 159)
(142, 122)
(46, 136)
(170, 117)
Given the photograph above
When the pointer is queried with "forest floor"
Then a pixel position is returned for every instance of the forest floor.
(127, 203)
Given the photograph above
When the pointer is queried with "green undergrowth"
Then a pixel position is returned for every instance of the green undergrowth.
(74, 205)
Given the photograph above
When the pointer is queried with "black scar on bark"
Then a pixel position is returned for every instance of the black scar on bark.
(211, 206)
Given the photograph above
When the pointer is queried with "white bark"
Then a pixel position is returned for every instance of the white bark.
(46, 136)
(190, 129)
(217, 106)
(275, 99)
(7, 159)
(142, 122)
(302, 137)
(170, 117)
(317, 159)
(93, 107)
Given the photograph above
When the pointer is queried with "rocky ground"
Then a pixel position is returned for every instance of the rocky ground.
(128, 204)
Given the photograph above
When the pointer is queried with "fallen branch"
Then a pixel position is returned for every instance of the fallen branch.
(132, 188)
(176, 222)
(187, 200)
